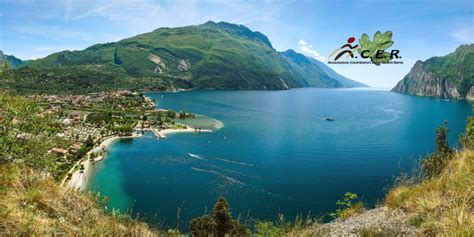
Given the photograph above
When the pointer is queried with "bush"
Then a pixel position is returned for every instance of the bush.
(219, 223)
(467, 139)
(203, 226)
(435, 162)
(348, 206)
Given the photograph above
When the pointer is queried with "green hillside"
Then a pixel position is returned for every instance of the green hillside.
(207, 56)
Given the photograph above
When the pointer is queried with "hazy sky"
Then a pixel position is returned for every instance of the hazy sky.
(421, 29)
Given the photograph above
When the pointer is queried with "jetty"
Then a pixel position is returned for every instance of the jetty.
(158, 134)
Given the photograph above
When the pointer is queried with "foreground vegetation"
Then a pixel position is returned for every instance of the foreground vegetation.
(443, 203)
(33, 203)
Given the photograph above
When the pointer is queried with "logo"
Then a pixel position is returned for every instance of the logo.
(376, 51)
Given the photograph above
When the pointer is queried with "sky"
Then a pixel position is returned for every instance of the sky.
(31, 29)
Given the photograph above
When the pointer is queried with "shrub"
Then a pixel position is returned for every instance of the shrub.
(435, 162)
(219, 223)
(203, 226)
(348, 206)
(467, 139)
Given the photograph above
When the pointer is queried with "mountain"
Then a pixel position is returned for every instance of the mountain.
(316, 73)
(449, 77)
(207, 56)
(346, 82)
(12, 61)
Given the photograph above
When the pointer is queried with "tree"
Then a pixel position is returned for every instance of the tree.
(89, 142)
(171, 114)
(467, 139)
(25, 135)
(5, 75)
(442, 146)
(219, 223)
(222, 216)
(5, 70)
(435, 162)
(203, 226)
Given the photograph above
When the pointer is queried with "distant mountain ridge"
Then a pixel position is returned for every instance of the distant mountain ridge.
(207, 56)
(12, 61)
(449, 77)
(314, 66)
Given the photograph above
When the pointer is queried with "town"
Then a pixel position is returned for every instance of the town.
(82, 122)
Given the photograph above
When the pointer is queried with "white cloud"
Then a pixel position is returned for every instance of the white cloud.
(464, 34)
(302, 42)
(307, 49)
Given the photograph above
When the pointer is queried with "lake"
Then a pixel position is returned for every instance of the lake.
(273, 152)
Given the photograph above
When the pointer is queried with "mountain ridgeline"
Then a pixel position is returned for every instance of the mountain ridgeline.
(12, 61)
(449, 77)
(207, 56)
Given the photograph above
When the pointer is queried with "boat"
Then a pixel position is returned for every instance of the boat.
(330, 119)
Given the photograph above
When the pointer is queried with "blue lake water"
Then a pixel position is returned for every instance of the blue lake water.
(275, 153)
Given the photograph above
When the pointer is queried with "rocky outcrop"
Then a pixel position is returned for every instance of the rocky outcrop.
(470, 94)
(448, 77)
(380, 221)
(423, 83)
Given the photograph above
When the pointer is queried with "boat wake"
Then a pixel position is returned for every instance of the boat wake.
(195, 156)
(395, 115)
(226, 178)
(234, 162)
(222, 160)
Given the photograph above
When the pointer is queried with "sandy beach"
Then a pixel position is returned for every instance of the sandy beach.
(188, 129)
(79, 180)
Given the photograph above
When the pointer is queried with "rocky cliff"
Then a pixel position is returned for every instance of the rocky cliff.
(449, 77)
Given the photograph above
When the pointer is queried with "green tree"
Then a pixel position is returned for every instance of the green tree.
(25, 135)
(203, 226)
(5, 75)
(219, 223)
(435, 162)
(4, 70)
(171, 114)
(182, 115)
(89, 142)
(467, 139)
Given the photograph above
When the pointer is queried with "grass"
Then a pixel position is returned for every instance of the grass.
(443, 205)
(34, 204)
(300, 226)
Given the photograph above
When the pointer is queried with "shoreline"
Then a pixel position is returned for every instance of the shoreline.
(79, 180)
(188, 129)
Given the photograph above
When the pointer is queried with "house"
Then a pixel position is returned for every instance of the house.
(58, 151)
(75, 116)
(75, 147)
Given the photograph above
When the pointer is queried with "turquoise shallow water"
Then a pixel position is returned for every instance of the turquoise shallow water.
(274, 153)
